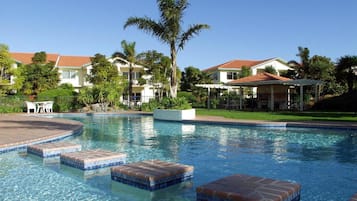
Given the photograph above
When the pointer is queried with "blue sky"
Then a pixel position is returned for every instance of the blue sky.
(240, 29)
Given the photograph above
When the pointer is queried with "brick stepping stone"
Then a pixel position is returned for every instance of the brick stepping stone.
(152, 174)
(354, 197)
(248, 188)
(92, 159)
(53, 149)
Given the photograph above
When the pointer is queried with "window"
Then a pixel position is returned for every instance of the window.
(214, 76)
(136, 97)
(126, 75)
(232, 75)
(136, 75)
(69, 74)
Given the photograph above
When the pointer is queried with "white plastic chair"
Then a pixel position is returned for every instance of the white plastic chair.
(48, 106)
(31, 106)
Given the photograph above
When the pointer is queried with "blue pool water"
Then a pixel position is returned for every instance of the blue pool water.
(324, 161)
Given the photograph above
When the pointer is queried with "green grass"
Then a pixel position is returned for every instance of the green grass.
(281, 116)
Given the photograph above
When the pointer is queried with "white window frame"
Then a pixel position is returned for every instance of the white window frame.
(69, 74)
(232, 75)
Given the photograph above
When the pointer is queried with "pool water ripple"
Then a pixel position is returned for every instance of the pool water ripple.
(324, 161)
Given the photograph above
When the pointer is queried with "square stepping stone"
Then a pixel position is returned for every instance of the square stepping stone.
(152, 175)
(354, 197)
(53, 149)
(92, 159)
(84, 175)
(248, 188)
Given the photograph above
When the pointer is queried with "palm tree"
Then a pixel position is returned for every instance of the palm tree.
(302, 67)
(169, 30)
(129, 54)
(346, 70)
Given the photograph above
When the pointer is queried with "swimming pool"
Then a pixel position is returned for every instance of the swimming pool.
(324, 161)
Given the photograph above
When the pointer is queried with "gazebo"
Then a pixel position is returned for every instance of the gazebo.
(273, 91)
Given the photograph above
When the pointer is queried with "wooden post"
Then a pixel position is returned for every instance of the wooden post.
(317, 93)
(301, 98)
(289, 99)
(208, 100)
(240, 97)
(272, 97)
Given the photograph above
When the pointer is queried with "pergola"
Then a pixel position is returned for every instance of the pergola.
(215, 86)
(290, 83)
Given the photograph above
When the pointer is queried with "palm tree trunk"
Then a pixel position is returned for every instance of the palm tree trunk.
(130, 83)
(173, 85)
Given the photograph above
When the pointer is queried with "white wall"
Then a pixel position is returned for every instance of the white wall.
(147, 93)
(276, 64)
(74, 81)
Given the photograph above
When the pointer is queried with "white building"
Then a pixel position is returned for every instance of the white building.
(229, 71)
(74, 69)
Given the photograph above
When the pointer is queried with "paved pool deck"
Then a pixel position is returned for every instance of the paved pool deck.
(19, 130)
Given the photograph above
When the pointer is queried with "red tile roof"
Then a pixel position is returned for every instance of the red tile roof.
(73, 60)
(68, 61)
(260, 77)
(237, 64)
(26, 58)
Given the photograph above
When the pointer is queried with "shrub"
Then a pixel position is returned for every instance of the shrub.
(179, 103)
(197, 100)
(64, 98)
(11, 104)
(150, 106)
(188, 95)
(343, 103)
(86, 96)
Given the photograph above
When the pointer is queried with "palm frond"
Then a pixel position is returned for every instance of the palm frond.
(191, 32)
(147, 25)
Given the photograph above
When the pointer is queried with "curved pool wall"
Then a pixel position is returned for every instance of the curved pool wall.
(324, 161)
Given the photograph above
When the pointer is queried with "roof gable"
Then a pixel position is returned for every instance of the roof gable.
(26, 58)
(73, 61)
(260, 77)
(234, 64)
(60, 61)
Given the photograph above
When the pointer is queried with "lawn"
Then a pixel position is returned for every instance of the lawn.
(281, 116)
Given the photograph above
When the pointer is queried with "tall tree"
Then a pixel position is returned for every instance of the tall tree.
(39, 57)
(322, 68)
(5, 63)
(245, 72)
(5, 68)
(102, 70)
(129, 54)
(158, 66)
(317, 68)
(346, 71)
(39, 76)
(106, 80)
(192, 76)
(271, 70)
(169, 30)
(302, 67)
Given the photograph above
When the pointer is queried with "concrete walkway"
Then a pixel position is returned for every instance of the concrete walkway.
(17, 130)
(20, 130)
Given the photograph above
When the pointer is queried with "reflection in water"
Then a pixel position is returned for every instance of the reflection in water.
(315, 158)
